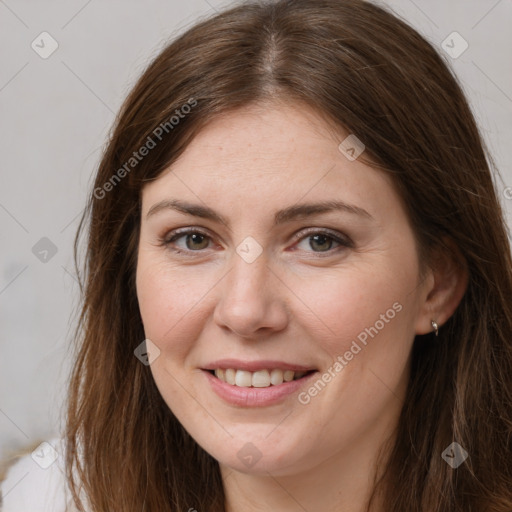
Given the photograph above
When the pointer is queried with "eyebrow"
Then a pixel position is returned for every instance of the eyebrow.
(286, 215)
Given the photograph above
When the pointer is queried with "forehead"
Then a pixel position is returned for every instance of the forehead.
(276, 155)
(258, 134)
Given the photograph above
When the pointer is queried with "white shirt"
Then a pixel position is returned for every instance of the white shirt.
(36, 482)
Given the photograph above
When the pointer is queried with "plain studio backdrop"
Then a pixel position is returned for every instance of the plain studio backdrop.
(66, 68)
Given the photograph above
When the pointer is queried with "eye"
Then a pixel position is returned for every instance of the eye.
(321, 241)
(194, 240)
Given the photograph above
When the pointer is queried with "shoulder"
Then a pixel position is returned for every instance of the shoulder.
(36, 482)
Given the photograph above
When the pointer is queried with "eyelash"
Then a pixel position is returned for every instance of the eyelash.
(342, 240)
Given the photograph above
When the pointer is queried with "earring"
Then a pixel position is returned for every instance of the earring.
(435, 327)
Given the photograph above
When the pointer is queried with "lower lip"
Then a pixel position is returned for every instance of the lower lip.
(255, 397)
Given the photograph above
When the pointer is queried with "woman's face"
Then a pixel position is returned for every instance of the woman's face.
(261, 286)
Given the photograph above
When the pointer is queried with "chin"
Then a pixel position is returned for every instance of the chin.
(260, 456)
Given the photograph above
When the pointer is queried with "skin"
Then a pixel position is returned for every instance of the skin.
(300, 301)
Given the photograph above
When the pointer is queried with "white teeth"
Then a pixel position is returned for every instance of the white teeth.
(288, 375)
(261, 379)
(243, 379)
(229, 376)
(258, 379)
(276, 377)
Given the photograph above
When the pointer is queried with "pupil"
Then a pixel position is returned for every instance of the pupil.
(194, 237)
(322, 237)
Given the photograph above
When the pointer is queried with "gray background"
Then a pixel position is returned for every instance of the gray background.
(55, 115)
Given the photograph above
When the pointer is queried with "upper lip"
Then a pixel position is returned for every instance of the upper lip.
(254, 366)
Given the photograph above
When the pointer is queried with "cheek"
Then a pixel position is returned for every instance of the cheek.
(365, 325)
(359, 303)
(171, 300)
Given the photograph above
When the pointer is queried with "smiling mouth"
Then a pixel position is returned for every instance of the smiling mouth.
(258, 379)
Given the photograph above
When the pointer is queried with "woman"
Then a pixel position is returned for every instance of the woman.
(297, 283)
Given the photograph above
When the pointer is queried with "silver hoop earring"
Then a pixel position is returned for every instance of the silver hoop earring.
(435, 327)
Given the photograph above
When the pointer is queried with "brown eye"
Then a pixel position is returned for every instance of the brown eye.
(322, 242)
(194, 241)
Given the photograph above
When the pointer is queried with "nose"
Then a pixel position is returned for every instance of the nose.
(252, 300)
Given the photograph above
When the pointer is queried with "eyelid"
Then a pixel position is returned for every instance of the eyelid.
(336, 235)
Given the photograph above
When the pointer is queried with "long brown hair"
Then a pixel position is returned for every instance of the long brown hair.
(364, 70)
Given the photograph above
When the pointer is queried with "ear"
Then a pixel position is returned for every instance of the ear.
(447, 283)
